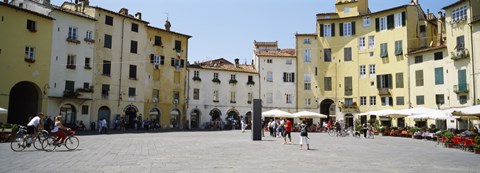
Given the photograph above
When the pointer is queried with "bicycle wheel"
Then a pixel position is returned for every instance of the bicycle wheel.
(72, 143)
(47, 144)
(37, 143)
(331, 132)
(19, 143)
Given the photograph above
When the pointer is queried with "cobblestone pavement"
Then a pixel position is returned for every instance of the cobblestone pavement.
(233, 151)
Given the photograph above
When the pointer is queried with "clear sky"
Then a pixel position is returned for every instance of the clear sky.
(227, 28)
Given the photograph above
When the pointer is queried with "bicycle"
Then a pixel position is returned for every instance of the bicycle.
(355, 134)
(71, 142)
(370, 134)
(332, 132)
(21, 140)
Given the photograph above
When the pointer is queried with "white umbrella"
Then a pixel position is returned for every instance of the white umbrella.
(276, 113)
(471, 110)
(2, 111)
(422, 110)
(384, 113)
(308, 114)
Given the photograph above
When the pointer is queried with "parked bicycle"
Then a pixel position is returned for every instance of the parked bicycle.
(23, 140)
(71, 142)
(343, 132)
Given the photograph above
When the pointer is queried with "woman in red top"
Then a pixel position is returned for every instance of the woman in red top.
(288, 131)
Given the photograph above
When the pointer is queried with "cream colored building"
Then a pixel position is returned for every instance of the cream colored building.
(361, 62)
(165, 84)
(25, 51)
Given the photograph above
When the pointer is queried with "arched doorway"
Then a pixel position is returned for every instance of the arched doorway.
(104, 113)
(215, 114)
(248, 119)
(233, 120)
(23, 102)
(326, 109)
(195, 119)
(130, 115)
(154, 115)
(174, 118)
(69, 114)
(348, 120)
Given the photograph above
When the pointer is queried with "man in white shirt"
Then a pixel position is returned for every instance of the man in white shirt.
(34, 125)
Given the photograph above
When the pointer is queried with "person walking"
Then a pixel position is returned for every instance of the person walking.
(243, 124)
(288, 131)
(365, 129)
(304, 136)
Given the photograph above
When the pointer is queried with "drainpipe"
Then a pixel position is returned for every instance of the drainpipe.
(472, 56)
(121, 66)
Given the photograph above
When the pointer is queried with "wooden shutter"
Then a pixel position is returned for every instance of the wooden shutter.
(404, 20)
(377, 24)
(353, 28)
(173, 62)
(293, 77)
(182, 63)
(321, 30)
(341, 29)
(379, 77)
(284, 77)
(390, 101)
(390, 81)
(438, 75)
(333, 29)
(162, 60)
(390, 21)
(152, 57)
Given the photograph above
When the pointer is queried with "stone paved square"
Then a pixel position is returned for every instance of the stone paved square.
(233, 151)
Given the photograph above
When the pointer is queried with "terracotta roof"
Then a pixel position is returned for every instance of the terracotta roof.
(257, 43)
(25, 10)
(422, 50)
(76, 13)
(453, 4)
(223, 65)
(169, 31)
(345, 2)
(389, 9)
(278, 53)
(116, 13)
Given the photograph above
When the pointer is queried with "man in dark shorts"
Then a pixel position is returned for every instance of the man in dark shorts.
(34, 126)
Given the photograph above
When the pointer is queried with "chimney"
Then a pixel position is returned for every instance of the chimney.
(124, 11)
(237, 62)
(167, 25)
(138, 16)
(440, 23)
(414, 2)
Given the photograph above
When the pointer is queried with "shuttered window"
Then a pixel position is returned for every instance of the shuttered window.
(439, 76)
(398, 48)
(419, 78)
(399, 80)
(347, 52)
(327, 83)
(383, 50)
(348, 86)
(328, 55)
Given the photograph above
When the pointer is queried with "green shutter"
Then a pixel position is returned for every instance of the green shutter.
(333, 29)
(462, 80)
(439, 76)
(353, 28)
(390, 81)
(377, 24)
(399, 80)
(390, 21)
(321, 30)
(398, 48)
(404, 20)
(378, 81)
(341, 29)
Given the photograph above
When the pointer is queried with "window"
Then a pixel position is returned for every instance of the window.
(373, 100)
(418, 59)
(439, 99)
(87, 63)
(71, 61)
(419, 78)
(134, 27)
(196, 74)
(372, 71)
(108, 20)
(363, 100)
(361, 43)
(72, 33)
(328, 55)
(307, 101)
(398, 48)
(232, 97)
(31, 25)
(306, 55)
(384, 81)
(215, 96)
(108, 41)
(363, 71)
(105, 89)
(462, 80)
(131, 92)
(29, 53)
(347, 53)
(89, 35)
(289, 77)
(69, 86)
(348, 101)
(289, 61)
(438, 56)
(133, 72)
(327, 30)
(233, 77)
(215, 75)
(288, 98)
(106, 68)
(155, 95)
(307, 79)
(250, 78)
(306, 41)
(383, 23)
(348, 86)
(459, 13)
(439, 76)
(327, 83)
(176, 97)
(269, 76)
(366, 21)
(420, 100)
(463, 99)
(383, 50)
(178, 45)
(400, 100)
(399, 80)
(316, 71)
(158, 41)
(460, 43)
(269, 61)
(155, 59)
(269, 97)
(387, 101)
(398, 20)
(347, 10)
(250, 98)
(84, 110)
(348, 28)
(371, 42)
(133, 46)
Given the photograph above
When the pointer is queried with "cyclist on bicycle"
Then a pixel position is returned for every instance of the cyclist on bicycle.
(34, 126)
(58, 132)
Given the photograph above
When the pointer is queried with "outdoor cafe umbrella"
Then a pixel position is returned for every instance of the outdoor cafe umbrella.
(2, 111)
(277, 113)
(308, 114)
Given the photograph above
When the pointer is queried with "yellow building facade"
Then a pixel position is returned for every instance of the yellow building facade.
(25, 50)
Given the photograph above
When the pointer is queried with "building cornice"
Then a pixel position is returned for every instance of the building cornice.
(27, 11)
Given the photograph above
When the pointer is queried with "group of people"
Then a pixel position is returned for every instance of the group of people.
(283, 128)
(34, 126)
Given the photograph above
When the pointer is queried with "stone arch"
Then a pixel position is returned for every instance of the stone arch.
(24, 101)
(215, 114)
(154, 114)
(131, 112)
(195, 118)
(175, 118)
(69, 113)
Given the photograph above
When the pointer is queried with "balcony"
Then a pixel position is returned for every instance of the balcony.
(73, 40)
(71, 66)
(70, 94)
(196, 78)
(460, 54)
(461, 88)
(251, 82)
(216, 80)
(350, 108)
(89, 40)
(232, 81)
(384, 91)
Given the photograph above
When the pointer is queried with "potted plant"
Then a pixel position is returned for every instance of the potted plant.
(476, 146)
(448, 139)
(381, 129)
